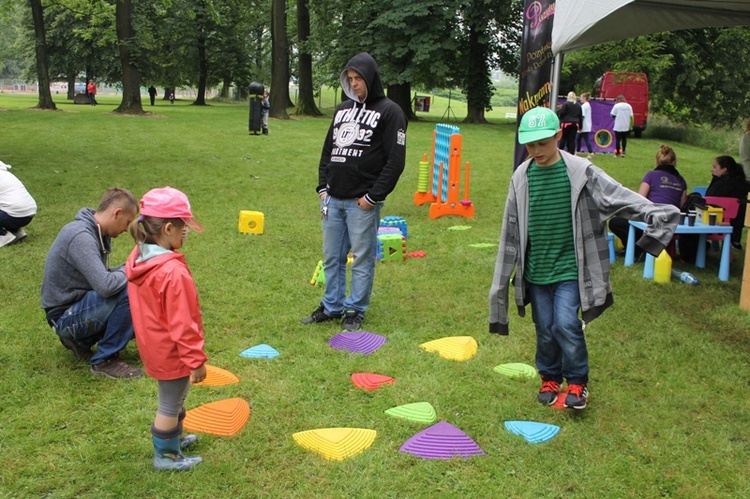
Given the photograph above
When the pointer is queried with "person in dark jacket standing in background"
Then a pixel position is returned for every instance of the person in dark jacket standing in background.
(570, 115)
(362, 159)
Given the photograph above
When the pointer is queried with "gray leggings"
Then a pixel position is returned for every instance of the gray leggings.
(172, 394)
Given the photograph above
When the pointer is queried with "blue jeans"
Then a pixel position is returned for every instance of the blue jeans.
(560, 343)
(105, 322)
(347, 227)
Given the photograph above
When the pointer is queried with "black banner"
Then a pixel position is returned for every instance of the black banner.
(534, 80)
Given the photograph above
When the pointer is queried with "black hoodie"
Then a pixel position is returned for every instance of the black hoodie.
(365, 149)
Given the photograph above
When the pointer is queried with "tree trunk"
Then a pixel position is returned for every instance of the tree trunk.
(200, 100)
(478, 79)
(224, 92)
(131, 76)
(42, 61)
(279, 94)
(401, 95)
(167, 92)
(71, 78)
(306, 101)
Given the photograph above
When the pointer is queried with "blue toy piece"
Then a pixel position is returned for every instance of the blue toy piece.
(442, 155)
(392, 221)
(261, 351)
(533, 432)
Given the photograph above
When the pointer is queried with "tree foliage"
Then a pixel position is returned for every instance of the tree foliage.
(695, 76)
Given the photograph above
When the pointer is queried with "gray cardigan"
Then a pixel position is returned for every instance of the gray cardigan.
(595, 198)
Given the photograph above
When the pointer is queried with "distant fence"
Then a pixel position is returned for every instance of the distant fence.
(18, 86)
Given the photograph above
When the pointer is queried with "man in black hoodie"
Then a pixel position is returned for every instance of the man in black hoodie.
(362, 159)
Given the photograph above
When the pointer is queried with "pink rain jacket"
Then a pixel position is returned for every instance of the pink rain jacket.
(166, 315)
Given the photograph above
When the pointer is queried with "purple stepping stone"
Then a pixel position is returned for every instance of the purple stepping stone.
(357, 342)
(441, 441)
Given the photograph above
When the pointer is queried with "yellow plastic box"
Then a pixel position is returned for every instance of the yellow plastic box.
(251, 222)
(702, 215)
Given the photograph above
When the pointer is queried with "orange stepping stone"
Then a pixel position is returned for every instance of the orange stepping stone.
(223, 418)
(371, 381)
(216, 376)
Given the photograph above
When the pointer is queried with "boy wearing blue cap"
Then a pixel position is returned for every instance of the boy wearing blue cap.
(554, 237)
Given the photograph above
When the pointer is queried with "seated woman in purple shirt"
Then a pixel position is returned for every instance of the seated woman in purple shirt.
(662, 185)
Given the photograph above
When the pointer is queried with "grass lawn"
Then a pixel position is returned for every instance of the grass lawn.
(668, 415)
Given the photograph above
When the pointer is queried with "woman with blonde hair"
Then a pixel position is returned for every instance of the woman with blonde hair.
(662, 185)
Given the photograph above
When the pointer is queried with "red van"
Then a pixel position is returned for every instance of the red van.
(633, 86)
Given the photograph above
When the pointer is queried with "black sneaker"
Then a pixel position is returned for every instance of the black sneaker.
(115, 368)
(80, 352)
(319, 315)
(353, 320)
(548, 394)
(577, 397)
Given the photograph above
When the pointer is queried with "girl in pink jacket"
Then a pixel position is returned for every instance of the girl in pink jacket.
(166, 317)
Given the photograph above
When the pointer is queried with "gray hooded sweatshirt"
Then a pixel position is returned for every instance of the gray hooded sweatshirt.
(77, 263)
(595, 198)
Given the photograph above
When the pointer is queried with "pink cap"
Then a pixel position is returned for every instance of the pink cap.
(168, 202)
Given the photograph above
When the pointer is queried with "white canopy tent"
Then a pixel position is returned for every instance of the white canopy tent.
(583, 23)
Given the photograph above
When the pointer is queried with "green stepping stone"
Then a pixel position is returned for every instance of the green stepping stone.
(421, 412)
(516, 370)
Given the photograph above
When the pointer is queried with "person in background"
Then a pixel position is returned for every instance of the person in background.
(152, 94)
(585, 131)
(571, 118)
(663, 185)
(622, 113)
(17, 207)
(362, 159)
(728, 180)
(553, 243)
(265, 106)
(85, 301)
(167, 317)
(745, 150)
(91, 91)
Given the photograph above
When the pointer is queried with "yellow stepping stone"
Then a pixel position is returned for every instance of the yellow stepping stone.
(453, 348)
(336, 444)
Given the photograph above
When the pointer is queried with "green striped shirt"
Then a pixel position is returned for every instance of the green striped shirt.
(551, 255)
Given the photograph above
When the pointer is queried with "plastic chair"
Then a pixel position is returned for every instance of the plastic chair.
(731, 209)
(701, 189)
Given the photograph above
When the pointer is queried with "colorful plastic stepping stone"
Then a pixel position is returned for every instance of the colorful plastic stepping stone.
(261, 351)
(483, 245)
(441, 441)
(453, 348)
(217, 377)
(532, 431)
(357, 342)
(460, 227)
(224, 417)
(336, 444)
(516, 370)
(371, 381)
(421, 412)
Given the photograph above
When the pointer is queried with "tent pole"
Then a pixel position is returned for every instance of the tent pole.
(556, 68)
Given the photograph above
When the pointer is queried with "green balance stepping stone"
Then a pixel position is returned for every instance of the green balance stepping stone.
(421, 412)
